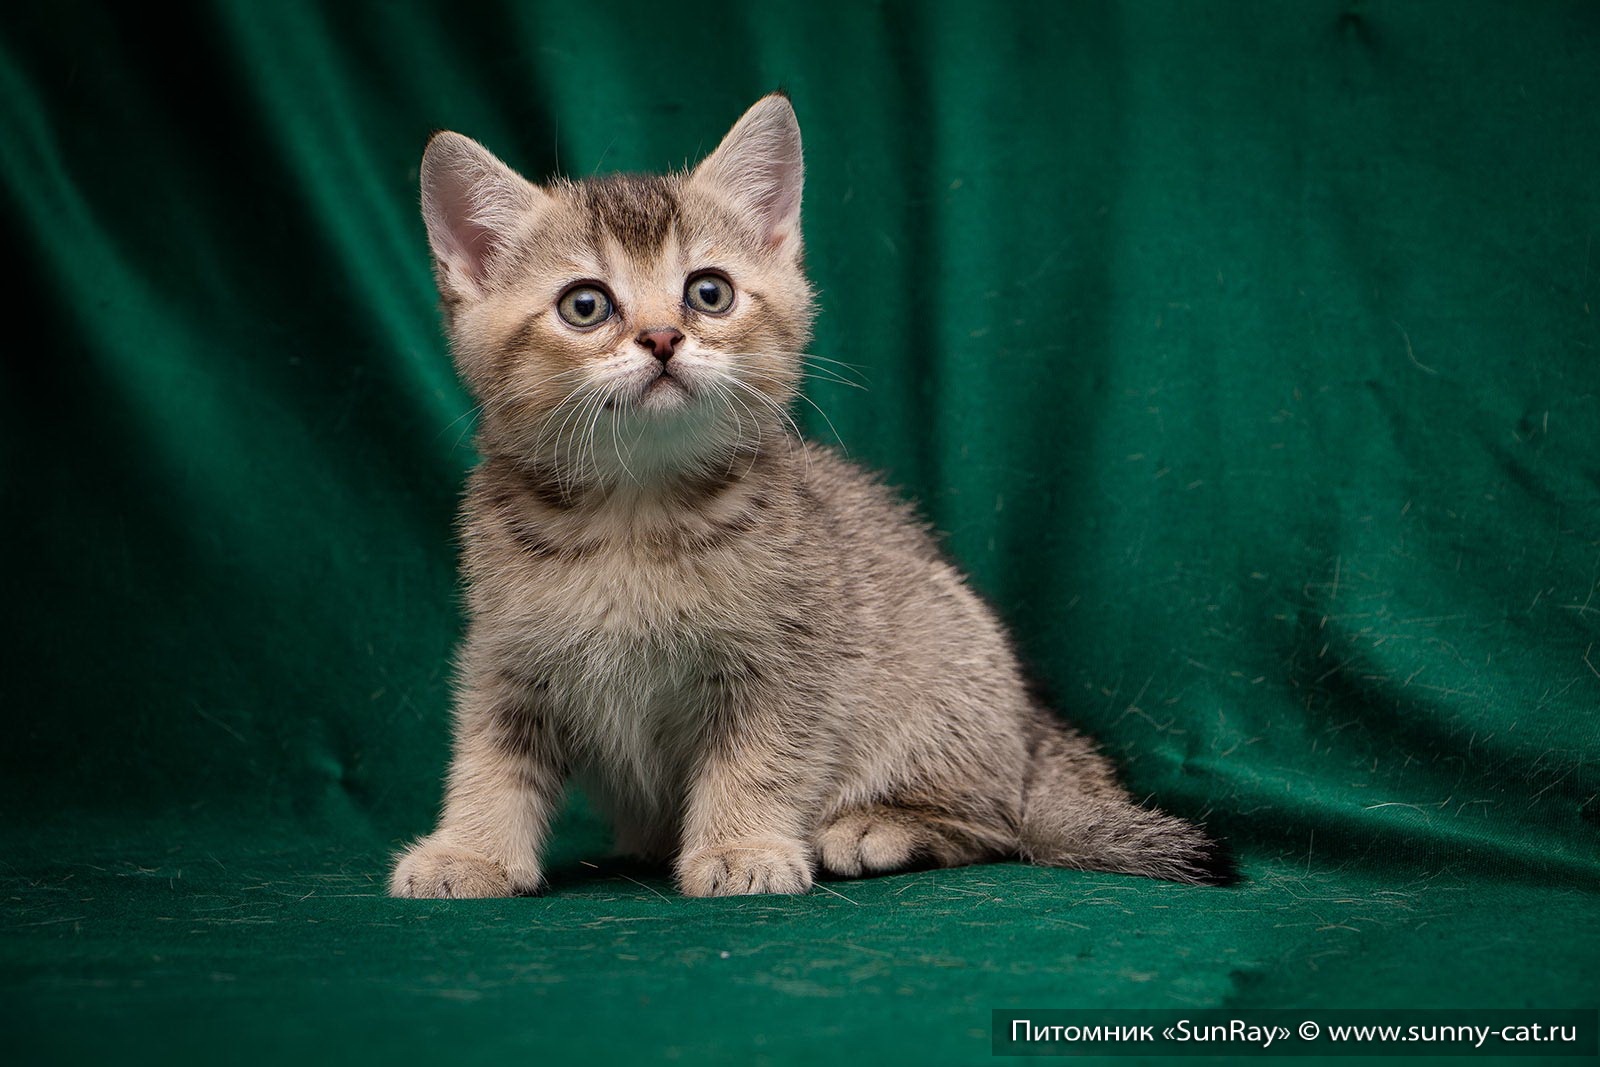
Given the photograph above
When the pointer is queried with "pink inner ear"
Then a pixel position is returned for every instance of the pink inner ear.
(783, 214)
(472, 243)
(458, 239)
(773, 190)
(773, 184)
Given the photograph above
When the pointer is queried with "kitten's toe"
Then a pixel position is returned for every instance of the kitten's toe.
(745, 868)
(433, 869)
(857, 843)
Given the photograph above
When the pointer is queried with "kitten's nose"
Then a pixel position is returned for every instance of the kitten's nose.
(661, 342)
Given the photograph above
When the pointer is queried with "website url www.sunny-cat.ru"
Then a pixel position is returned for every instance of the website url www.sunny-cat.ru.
(1288, 1032)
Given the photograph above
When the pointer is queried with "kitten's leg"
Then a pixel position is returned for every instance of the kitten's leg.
(1076, 815)
(504, 787)
(877, 838)
(748, 809)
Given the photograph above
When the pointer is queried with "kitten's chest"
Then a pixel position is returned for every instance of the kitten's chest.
(632, 708)
(630, 596)
(630, 647)
(692, 560)
(632, 689)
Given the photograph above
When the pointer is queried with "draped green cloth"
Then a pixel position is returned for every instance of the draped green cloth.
(1248, 355)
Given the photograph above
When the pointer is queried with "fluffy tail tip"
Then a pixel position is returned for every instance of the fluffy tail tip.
(1216, 865)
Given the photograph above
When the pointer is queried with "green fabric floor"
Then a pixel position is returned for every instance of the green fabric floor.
(1248, 354)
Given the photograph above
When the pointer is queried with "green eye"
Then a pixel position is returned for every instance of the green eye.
(710, 292)
(585, 305)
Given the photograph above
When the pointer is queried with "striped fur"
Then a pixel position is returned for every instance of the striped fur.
(749, 653)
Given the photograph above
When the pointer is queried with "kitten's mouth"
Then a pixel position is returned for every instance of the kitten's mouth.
(663, 392)
(666, 389)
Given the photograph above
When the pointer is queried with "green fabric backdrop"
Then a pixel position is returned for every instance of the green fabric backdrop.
(1248, 353)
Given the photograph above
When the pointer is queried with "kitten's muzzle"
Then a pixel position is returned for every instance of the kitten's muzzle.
(661, 342)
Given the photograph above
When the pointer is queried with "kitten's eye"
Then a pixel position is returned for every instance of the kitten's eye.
(584, 306)
(709, 292)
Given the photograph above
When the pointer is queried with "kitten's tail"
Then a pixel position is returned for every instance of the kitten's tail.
(1076, 815)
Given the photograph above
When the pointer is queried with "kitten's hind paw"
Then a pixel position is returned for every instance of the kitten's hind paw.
(431, 868)
(742, 868)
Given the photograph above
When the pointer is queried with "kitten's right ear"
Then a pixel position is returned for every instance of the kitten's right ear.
(759, 165)
(473, 205)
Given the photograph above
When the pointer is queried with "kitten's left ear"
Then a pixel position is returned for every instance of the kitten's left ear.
(473, 206)
(760, 167)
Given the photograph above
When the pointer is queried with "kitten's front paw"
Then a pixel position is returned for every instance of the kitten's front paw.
(741, 868)
(431, 868)
(859, 842)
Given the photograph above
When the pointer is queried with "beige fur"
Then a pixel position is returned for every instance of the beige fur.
(748, 652)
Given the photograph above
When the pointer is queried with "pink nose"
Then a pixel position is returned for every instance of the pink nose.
(661, 343)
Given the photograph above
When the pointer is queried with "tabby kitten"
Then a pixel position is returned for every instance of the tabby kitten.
(747, 651)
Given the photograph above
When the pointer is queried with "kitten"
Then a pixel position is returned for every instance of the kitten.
(748, 652)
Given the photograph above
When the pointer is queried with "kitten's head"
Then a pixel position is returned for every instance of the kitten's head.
(629, 326)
